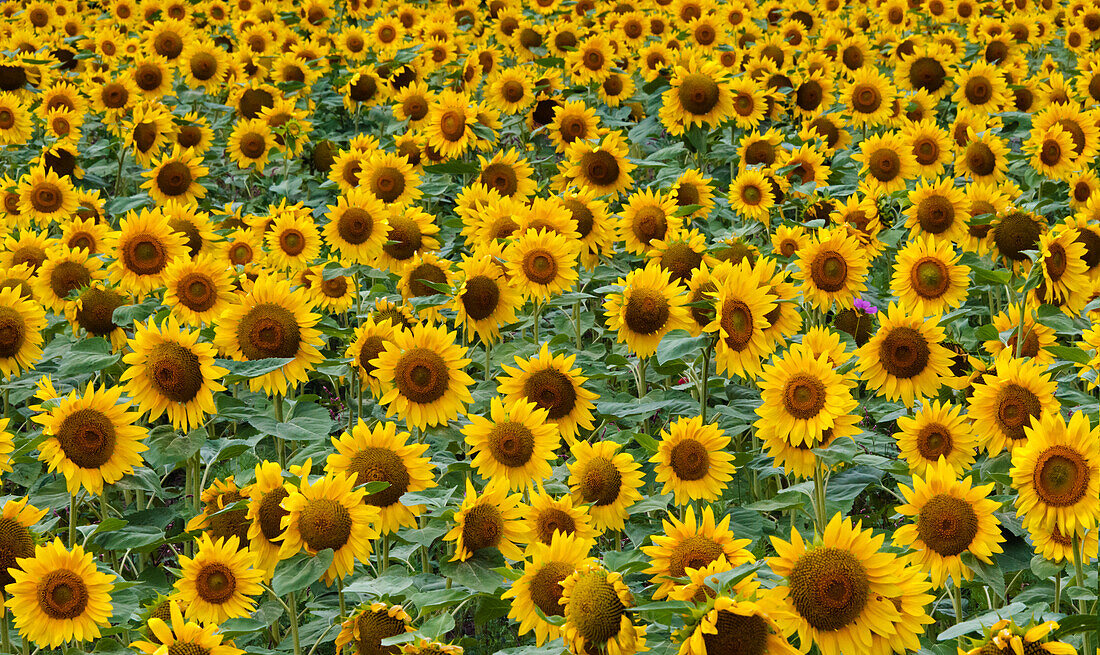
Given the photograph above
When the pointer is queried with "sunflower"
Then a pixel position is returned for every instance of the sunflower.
(887, 163)
(936, 431)
(838, 591)
(149, 128)
(1056, 474)
(1058, 548)
(648, 216)
(390, 178)
(832, 269)
(293, 241)
(219, 582)
(264, 516)
(421, 372)
(485, 300)
(382, 454)
(16, 538)
(366, 628)
(368, 342)
(547, 516)
(170, 371)
(937, 209)
(681, 253)
(182, 636)
(1013, 232)
(551, 382)
(573, 121)
(592, 59)
(606, 479)
(516, 443)
(329, 513)
(1011, 400)
(1051, 152)
(16, 126)
(491, 519)
(93, 311)
(450, 124)
(411, 231)
(198, 290)
(45, 197)
(868, 97)
(91, 438)
(412, 103)
(1065, 271)
(930, 145)
(983, 158)
(142, 248)
(701, 93)
(743, 303)
(86, 234)
(752, 195)
(1082, 129)
(649, 306)
(59, 596)
(204, 65)
(687, 544)
(250, 144)
(508, 174)
(545, 261)
(928, 278)
(905, 359)
(602, 166)
(597, 613)
(734, 626)
(803, 397)
(65, 271)
(271, 321)
(539, 591)
(982, 87)
(176, 176)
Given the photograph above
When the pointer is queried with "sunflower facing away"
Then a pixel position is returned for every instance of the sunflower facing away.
(691, 460)
(540, 585)
(552, 383)
(219, 582)
(515, 443)
(422, 375)
(491, 519)
(691, 544)
(607, 480)
(59, 596)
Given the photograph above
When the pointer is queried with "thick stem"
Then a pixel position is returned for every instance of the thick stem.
(280, 447)
(1057, 591)
(72, 520)
(819, 495)
(488, 357)
(385, 554)
(4, 636)
(340, 593)
(292, 605)
(537, 317)
(577, 323)
(704, 378)
(956, 601)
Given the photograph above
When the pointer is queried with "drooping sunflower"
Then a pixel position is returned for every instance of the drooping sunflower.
(938, 430)
(693, 544)
(832, 269)
(540, 585)
(928, 278)
(176, 176)
(91, 438)
(597, 613)
(803, 396)
(1011, 400)
(171, 371)
(382, 454)
(45, 197)
(514, 445)
(1056, 474)
(142, 248)
(951, 518)
(838, 591)
(649, 306)
(182, 636)
(543, 263)
(552, 383)
(734, 626)
(219, 582)
(607, 480)
(701, 94)
(905, 359)
(329, 513)
(602, 166)
(491, 519)
(58, 596)
(422, 374)
(365, 629)
(271, 321)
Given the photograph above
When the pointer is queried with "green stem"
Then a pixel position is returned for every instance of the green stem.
(280, 447)
(1057, 591)
(819, 495)
(4, 636)
(488, 355)
(704, 378)
(537, 316)
(385, 554)
(292, 605)
(577, 323)
(340, 593)
(72, 521)
(956, 601)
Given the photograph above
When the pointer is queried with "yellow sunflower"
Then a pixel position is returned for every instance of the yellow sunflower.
(937, 208)
(938, 430)
(700, 93)
(491, 519)
(552, 383)
(689, 543)
(390, 178)
(607, 479)
(540, 585)
(752, 195)
(1056, 474)
(197, 290)
(59, 596)
(170, 371)
(732, 625)
(16, 519)
(64, 272)
(91, 438)
(887, 164)
(905, 359)
(548, 516)
(182, 636)
(832, 269)
(142, 248)
(272, 321)
(357, 227)
(803, 396)
(648, 216)
(293, 241)
(928, 278)
(250, 143)
(869, 97)
(366, 628)
(265, 515)
(485, 300)
(597, 613)
(382, 454)
(515, 444)
(329, 513)
(543, 263)
(411, 230)
(951, 518)
(602, 167)
(743, 305)
(219, 582)
(45, 197)
(649, 306)
(1009, 401)
(421, 371)
(176, 176)
(1065, 271)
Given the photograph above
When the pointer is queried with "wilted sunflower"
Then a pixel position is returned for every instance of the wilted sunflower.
(542, 263)
(540, 585)
(1056, 474)
(366, 628)
(736, 626)
(421, 371)
(602, 166)
(91, 438)
(832, 269)
(357, 227)
(649, 307)
(219, 582)
(176, 176)
(606, 479)
(59, 596)
(271, 321)
(688, 543)
(329, 513)
(45, 197)
(170, 371)
(838, 591)
(905, 359)
(938, 430)
(803, 396)
(928, 278)
(951, 518)
(382, 454)
(1009, 401)
(701, 94)
(182, 636)
(552, 383)
(142, 248)
(490, 519)
(597, 613)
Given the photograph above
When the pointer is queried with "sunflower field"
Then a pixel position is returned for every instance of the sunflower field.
(414, 327)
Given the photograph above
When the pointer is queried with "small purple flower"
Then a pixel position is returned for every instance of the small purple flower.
(867, 307)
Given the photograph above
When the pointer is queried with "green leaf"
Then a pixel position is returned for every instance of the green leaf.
(167, 447)
(453, 168)
(1077, 624)
(784, 500)
(477, 572)
(241, 371)
(87, 356)
(1069, 353)
(687, 210)
(678, 344)
(130, 536)
(300, 571)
